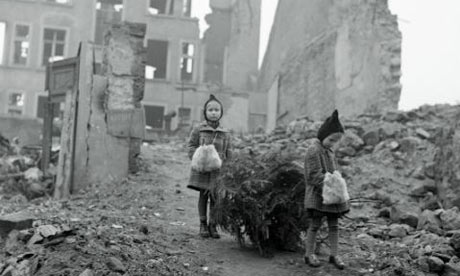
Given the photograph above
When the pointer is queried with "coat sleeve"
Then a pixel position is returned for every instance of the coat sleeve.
(193, 141)
(314, 171)
(228, 147)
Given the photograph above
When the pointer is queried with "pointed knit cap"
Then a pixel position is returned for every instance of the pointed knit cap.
(212, 98)
(331, 125)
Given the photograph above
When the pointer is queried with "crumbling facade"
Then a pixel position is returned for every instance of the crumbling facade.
(324, 55)
(231, 52)
(31, 34)
(177, 62)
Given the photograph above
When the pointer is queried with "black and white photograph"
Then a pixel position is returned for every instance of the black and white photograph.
(229, 137)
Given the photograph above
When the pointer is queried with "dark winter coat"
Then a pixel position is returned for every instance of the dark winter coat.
(203, 134)
(318, 161)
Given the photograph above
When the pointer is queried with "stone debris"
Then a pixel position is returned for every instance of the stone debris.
(404, 220)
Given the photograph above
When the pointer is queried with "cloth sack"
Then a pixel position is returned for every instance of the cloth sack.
(206, 159)
(334, 189)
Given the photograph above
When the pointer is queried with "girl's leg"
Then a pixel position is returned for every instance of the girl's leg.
(212, 222)
(333, 225)
(202, 210)
(310, 258)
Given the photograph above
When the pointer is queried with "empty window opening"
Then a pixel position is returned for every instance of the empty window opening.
(53, 45)
(2, 40)
(16, 103)
(108, 12)
(60, 1)
(187, 8)
(21, 44)
(185, 116)
(154, 116)
(161, 7)
(187, 61)
(157, 59)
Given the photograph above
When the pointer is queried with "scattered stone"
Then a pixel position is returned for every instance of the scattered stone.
(423, 264)
(450, 219)
(18, 221)
(47, 230)
(393, 145)
(378, 232)
(429, 221)
(144, 229)
(115, 265)
(451, 269)
(371, 137)
(350, 139)
(398, 215)
(346, 151)
(430, 202)
(389, 130)
(429, 170)
(33, 174)
(455, 241)
(368, 148)
(87, 272)
(435, 264)
(12, 243)
(409, 144)
(397, 231)
(384, 213)
(421, 188)
(422, 133)
(396, 116)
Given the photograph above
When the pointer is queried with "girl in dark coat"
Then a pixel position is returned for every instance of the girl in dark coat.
(320, 159)
(208, 132)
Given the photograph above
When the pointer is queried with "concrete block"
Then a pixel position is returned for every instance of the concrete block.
(15, 221)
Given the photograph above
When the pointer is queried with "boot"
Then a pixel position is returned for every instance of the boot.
(312, 260)
(213, 231)
(337, 262)
(204, 233)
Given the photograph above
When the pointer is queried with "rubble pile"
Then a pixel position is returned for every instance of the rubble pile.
(19, 172)
(402, 171)
(93, 233)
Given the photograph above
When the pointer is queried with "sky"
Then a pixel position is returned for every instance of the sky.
(430, 47)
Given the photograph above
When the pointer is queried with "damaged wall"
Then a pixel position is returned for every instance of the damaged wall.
(243, 49)
(111, 122)
(231, 50)
(232, 44)
(333, 54)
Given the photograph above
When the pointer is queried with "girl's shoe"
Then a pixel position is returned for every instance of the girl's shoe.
(312, 260)
(337, 262)
(213, 231)
(204, 233)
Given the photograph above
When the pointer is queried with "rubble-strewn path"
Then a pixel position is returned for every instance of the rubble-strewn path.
(146, 225)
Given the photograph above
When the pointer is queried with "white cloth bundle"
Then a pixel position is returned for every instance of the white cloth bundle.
(206, 159)
(335, 189)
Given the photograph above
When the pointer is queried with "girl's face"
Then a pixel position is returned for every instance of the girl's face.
(332, 139)
(213, 111)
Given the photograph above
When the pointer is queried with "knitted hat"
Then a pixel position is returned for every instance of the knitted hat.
(212, 98)
(331, 125)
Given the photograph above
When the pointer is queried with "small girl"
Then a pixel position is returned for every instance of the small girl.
(208, 132)
(320, 159)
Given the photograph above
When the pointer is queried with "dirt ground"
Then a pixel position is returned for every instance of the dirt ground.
(149, 222)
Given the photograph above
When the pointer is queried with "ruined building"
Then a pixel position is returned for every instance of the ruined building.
(331, 54)
(231, 46)
(178, 76)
